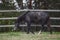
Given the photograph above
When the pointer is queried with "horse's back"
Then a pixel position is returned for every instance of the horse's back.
(38, 14)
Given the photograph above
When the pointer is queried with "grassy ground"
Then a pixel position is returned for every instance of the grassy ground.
(24, 36)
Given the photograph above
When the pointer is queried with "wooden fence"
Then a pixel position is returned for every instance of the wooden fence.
(11, 18)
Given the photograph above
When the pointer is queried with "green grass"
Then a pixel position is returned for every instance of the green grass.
(24, 36)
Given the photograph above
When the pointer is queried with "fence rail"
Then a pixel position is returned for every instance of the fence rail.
(26, 25)
(29, 10)
(11, 18)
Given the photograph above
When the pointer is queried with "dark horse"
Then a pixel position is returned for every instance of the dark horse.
(34, 17)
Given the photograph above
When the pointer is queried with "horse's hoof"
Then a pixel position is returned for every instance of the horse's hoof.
(27, 32)
(33, 33)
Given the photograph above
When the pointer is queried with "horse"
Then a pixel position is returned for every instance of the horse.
(34, 17)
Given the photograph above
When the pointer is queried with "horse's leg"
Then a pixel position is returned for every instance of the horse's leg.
(16, 26)
(42, 26)
(41, 30)
(32, 29)
(28, 27)
(49, 27)
(27, 19)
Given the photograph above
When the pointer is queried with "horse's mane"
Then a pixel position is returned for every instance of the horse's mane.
(22, 16)
(24, 13)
